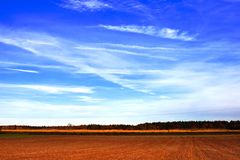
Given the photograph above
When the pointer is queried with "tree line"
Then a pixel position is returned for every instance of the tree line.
(232, 125)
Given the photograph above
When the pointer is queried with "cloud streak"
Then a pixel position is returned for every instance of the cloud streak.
(22, 70)
(126, 46)
(130, 6)
(50, 89)
(127, 111)
(118, 67)
(85, 5)
(185, 83)
(89, 99)
(120, 51)
(152, 31)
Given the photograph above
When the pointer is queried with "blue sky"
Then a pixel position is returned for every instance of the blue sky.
(112, 61)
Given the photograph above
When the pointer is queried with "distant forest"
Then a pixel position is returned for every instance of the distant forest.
(232, 125)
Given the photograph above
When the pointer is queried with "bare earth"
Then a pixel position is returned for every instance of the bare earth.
(67, 147)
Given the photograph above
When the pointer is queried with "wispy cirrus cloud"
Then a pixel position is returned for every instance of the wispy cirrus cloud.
(89, 99)
(127, 111)
(85, 5)
(119, 67)
(109, 64)
(179, 86)
(10, 64)
(121, 51)
(130, 6)
(127, 46)
(152, 31)
(22, 70)
(49, 88)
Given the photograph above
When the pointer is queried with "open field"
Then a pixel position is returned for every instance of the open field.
(187, 147)
(115, 131)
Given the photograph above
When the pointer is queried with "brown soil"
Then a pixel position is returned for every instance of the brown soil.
(71, 147)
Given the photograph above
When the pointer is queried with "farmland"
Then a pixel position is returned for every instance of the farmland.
(155, 147)
(120, 131)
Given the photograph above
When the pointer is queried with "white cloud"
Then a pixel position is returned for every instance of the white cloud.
(112, 65)
(137, 47)
(190, 85)
(54, 89)
(152, 31)
(89, 99)
(120, 51)
(197, 106)
(175, 34)
(23, 70)
(49, 89)
(85, 5)
(5, 64)
(130, 6)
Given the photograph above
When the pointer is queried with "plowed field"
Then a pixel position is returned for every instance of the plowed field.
(71, 147)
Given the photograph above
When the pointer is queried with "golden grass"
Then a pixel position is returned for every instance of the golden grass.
(120, 131)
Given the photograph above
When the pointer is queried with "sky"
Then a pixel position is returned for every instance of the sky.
(118, 62)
